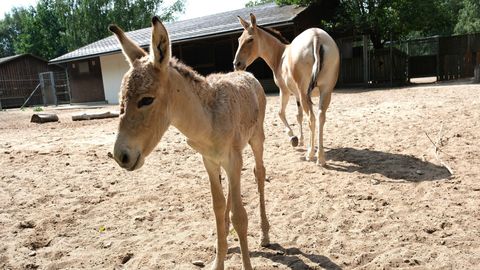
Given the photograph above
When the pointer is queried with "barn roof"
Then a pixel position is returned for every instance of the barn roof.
(202, 27)
(13, 57)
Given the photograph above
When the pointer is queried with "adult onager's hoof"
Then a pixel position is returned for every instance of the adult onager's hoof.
(294, 141)
(321, 158)
(265, 242)
(321, 163)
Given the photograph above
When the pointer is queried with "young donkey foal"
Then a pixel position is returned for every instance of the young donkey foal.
(309, 63)
(218, 114)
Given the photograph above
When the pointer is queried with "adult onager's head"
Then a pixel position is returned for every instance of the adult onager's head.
(219, 115)
(144, 114)
(309, 63)
(250, 43)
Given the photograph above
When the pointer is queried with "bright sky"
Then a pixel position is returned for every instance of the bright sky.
(193, 8)
(7, 5)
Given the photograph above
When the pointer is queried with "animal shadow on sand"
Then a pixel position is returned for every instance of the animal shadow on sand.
(393, 166)
(292, 257)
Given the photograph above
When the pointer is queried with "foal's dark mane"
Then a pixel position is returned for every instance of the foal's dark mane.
(275, 34)
(185, 70)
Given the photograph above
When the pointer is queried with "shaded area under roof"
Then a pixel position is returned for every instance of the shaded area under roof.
(211, 25)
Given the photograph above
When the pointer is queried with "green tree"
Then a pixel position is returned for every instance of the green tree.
(385, 19)
(53, 27)
(253, 3)
(6, 37)
(468, 17)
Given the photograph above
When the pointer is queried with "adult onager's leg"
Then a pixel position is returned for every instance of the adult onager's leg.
(256, 142)
(233, 168)
(308, 109)
(300, 122)
(284, 97)
(325, 98)
(219, 207)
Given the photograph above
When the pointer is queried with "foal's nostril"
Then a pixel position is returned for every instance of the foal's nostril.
(124, 158)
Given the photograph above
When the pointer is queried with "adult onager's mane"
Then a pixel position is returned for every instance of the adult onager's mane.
(275, 34)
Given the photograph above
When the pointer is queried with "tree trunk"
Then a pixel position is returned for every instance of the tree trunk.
(44, 118)
(376, 40)
(89, 116)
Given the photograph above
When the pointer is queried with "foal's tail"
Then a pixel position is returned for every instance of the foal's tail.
(318, 52)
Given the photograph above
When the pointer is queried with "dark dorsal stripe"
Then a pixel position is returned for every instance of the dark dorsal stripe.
(275, 34)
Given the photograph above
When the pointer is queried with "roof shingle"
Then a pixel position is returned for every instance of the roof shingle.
(226, 22)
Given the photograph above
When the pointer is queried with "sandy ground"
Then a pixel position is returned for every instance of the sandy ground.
(384, 202)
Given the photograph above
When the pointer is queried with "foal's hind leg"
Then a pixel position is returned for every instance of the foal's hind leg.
(227, 212)
(256, 142)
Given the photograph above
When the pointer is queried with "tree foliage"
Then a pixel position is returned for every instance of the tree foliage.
(468, 17)
(382, 20)
(54, 27)
(253, 3)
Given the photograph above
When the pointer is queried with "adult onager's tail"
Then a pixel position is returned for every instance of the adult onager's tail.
(318, 52)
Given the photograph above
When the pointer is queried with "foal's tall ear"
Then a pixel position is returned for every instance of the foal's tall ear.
(129, 48)
(160, 50)
(244, 23)
(253, 20)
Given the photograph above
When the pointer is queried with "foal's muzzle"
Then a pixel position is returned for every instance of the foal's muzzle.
(127, 159)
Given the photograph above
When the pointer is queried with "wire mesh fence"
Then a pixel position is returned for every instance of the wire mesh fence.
(16, 92)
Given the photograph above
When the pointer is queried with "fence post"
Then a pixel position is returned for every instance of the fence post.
(391, 61)
(439, 76)
(477, 74)
(365, 59)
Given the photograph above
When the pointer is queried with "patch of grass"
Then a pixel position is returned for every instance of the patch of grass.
(38, 109)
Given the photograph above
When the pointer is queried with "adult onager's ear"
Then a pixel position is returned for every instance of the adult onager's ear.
(160, 50)
(244, 23)
(131, 50)
(253, 20)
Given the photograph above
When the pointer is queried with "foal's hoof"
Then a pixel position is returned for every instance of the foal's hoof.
(294, 141)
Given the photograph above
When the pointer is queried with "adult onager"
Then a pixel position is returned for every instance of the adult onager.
(218, 114)
(311, 62)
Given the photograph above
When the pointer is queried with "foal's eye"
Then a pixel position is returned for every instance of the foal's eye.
(145, 101)
(249, 40)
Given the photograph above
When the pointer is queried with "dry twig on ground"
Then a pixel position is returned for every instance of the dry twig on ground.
(437, 149)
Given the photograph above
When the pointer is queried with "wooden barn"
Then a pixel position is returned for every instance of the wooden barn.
(208, 44)
(21, 74)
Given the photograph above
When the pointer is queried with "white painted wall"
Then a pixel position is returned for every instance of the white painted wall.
(113, 68)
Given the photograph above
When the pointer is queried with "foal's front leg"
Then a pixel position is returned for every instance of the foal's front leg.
(219, 207)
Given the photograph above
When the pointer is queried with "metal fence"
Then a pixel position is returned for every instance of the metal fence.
(445, 58)
(46, 88)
